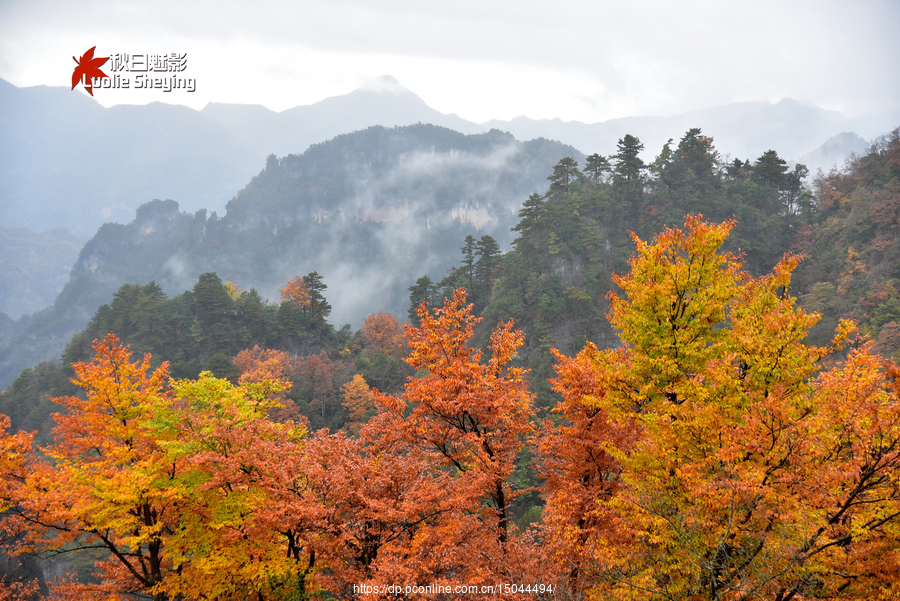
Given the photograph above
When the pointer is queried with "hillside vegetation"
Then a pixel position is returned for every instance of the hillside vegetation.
(587, 413)
(363, 210)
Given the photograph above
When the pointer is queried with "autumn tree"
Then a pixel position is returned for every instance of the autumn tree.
(105, 482)
(17, 591)
(383, 333)
(470, 415)
(234, 291)
(715, 458)
(186, 485)
(259, 367)
(358, 398)
(20, 575)
(296, 293)
(246, 523)
(577, 469)
(391, 514)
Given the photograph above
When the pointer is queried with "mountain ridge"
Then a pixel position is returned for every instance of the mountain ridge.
(364, 210)
(53, 174)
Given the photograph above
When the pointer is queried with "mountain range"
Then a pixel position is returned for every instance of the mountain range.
(67, 161)
(386, 199)
(369, 211)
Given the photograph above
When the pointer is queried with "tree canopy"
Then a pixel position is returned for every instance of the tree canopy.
(711, 456)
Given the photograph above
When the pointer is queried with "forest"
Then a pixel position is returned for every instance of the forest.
(679, 383)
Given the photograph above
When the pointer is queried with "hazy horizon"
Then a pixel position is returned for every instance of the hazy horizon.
(587, 62)
(368, 85)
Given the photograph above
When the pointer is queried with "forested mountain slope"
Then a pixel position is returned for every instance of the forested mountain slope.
(851, 266)
(364, 210)
(741, 129)
(573, 238)
(371, 211)
(68, 161)
(570, 242)
(715, 405)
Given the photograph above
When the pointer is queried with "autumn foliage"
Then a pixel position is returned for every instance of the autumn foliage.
(468, 417)
(358, 398)
(296, 293)
(714, 455)
(100, 483)
(383, 333)
(196, 492)
(711, 457)
(153, 471)
(473, 416)
(261, 365)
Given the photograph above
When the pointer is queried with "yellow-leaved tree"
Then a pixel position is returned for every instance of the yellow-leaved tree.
(186, 486)
(717, 455)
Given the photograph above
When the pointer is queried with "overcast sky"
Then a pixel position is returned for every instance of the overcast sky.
(481, 59)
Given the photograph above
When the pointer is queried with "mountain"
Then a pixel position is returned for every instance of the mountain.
(34, 267)
(744, 130)
(368, 211)
(67, 161)
(383, 101)
(834, 152)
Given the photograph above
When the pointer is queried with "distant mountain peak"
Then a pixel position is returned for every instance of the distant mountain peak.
(385, 84)
(786, 101)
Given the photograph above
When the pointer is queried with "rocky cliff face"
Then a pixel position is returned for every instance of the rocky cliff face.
(370, 211)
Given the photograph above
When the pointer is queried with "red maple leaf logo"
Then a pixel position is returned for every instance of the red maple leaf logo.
(88, 67)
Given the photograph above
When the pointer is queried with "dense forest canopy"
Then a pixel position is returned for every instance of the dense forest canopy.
(634, 400)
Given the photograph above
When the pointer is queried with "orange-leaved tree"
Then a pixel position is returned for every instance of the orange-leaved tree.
(391, 517)
(296, 293)
(471, 416)
(187, 486)
(713, 456)
(358, 399)
(579, 473)
(17, 591)
(383, 332)
(261, 367)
